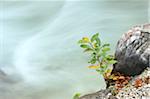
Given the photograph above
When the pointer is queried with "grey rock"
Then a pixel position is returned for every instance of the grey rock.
(102, 94)
(133, 51)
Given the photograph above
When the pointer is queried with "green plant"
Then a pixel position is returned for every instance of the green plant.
(76, 96)
(100, 59)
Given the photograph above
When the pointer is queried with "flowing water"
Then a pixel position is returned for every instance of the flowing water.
(39, 55)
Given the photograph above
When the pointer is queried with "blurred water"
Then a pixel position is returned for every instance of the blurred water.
(40, 58)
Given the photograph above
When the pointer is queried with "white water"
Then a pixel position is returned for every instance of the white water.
(39, 51)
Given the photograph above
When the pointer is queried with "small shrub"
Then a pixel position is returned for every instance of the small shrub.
(100, 60)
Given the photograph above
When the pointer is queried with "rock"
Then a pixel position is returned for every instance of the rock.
(133, 51)
(127, 92)
(130, 92)
(102, 94)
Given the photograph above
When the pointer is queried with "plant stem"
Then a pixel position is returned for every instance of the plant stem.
(98, 61)
(97, 57)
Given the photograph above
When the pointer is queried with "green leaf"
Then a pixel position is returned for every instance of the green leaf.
(94, 37)
(93, 55)
(88, 50)
(104, 45)
(104, 66)
(98, 41)
(112, 61)
(100, 71)
(76, 96)
(109, 57)
(93, 60)
(103, 54)
(97, 49)
(84, 46)
(105, 49)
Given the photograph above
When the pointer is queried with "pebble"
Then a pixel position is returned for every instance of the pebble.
(131, 92)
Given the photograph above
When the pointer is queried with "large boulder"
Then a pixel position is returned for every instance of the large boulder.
(133, 51)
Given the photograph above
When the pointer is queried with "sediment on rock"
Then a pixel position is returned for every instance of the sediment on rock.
(128, 92)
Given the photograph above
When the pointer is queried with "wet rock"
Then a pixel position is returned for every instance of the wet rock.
(133, 51)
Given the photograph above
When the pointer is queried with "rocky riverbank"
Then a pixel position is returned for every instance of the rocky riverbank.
(137, 88)
(131, 74)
